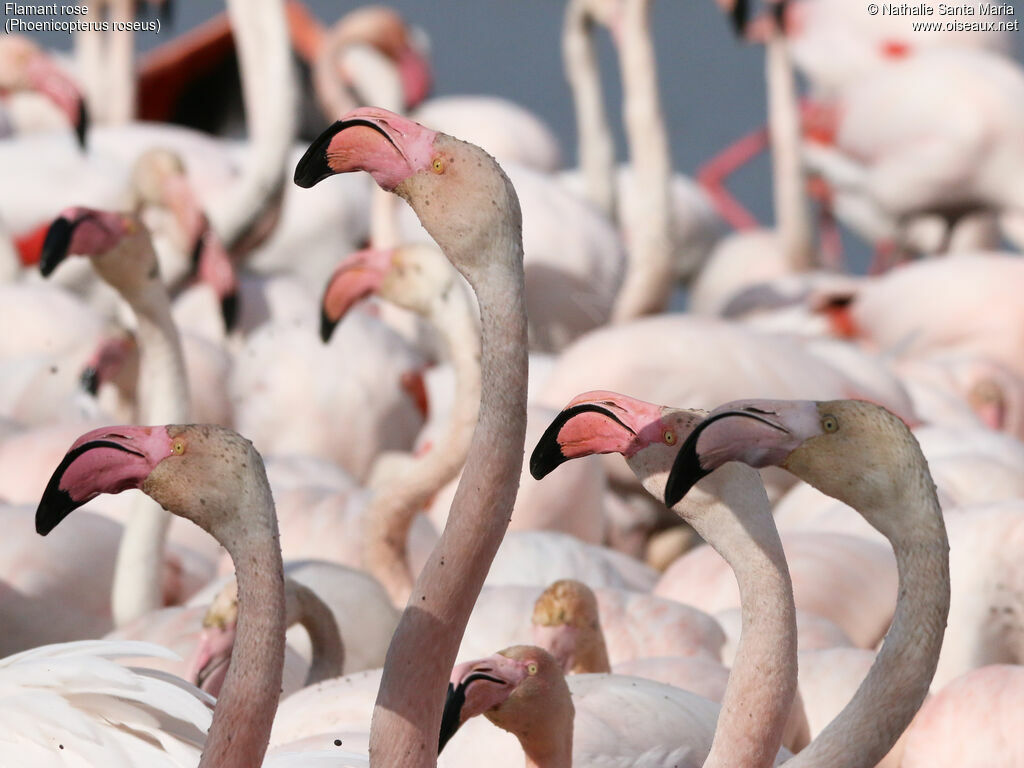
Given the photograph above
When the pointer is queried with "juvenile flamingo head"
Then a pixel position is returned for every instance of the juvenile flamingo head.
(85, 232)
(25, 67)
(566, 623)
(504, 687)
(209, 665)
(607, 422)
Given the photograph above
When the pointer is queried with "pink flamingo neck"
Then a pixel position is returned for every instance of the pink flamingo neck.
(407, 715)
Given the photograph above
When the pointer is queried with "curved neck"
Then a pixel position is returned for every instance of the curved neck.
(762, 682)
(245, 709)
(898, 681)
(407, 715)
(269, 92)
(792, 217)
(393, 509)
(649, 276)
(596, 148)
(162, 399)
(303, 606)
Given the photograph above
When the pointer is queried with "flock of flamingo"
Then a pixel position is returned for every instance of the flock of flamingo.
(393, 465)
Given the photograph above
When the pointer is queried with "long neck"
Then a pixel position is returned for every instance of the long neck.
(269, 92)
(596, 148)
(649, 275)
(407, 716)
(245, 709)
(393, 509)
(791, 212)
(762, 682)
(895, 686)
(162, 399)
(303, 606)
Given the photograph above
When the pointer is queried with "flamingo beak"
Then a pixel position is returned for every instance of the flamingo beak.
(759, 433)
(596, 422)
(357, 277)
(57, 243)
(387, 146)
(476, 687)
(105, 460)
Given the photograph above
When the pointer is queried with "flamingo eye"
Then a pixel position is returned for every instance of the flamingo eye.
(830, 423)
(670, 437)
(532, 668)
(438, 165)
(178, 447)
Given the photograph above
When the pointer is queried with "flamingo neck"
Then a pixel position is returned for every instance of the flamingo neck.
(898, 681)
(762, 682)
(162, 399)
(791, 212)
(551, 746)
(245, 709)
(270, 93)
(596, 148)
(304, 607)
(393, 509)
(647, 286)
(407, 715)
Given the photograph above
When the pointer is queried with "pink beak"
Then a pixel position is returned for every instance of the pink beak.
(357, 277)
(414, 72)
(105, 460)
(209, 665)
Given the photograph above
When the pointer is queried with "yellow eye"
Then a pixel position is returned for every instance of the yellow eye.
(438, 165)
(532, 668)
(178, 447)
(829, 423)
(670, 437)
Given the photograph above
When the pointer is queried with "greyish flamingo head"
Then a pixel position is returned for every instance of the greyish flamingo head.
(500, 686)
(26, 67)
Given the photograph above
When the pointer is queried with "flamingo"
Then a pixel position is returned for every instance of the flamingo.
(473, 214)
(202, 473)
(562, 721)
(864, 455)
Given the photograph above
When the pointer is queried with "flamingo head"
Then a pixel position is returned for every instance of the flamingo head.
(505, 687)
(566, 623)
(607, 422)
(25, 67)
(117, 243)
(442, 178)
(105, 460)
(196, 471)
(359, 275)
(115, 359)
(413, 277)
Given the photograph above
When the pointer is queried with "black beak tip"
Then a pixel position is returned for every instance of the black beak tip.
(546, 457)
(312, 167)
(89, 381)
(55, 505)
(451, 716)
(327, 327)
(82, 124)
(229, 310)
(686, 472)
(55, 245)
